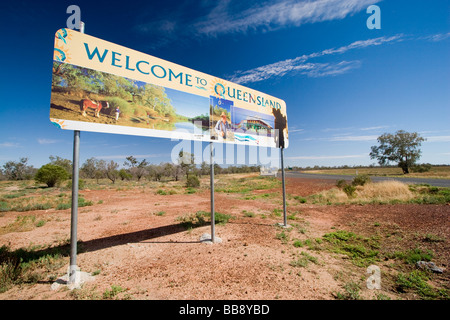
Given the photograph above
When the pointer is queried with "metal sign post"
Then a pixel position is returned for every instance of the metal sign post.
(74, 213)
(73, 269)
(213, 222)
(284, 189)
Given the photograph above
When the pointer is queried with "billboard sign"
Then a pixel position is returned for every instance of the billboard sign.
(103, 87)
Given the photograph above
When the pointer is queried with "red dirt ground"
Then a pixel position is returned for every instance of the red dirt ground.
(153, 257)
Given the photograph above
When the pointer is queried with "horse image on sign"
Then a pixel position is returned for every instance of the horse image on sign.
(97, 106)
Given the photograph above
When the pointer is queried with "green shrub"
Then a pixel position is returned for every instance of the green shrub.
(193, 220)
(193, 182)
(63, 206)
(349, 190)
(300, 199)
(125, 175)
(221, 218)
(81, 184)
(297, 243)
(84, 203)
(303, 260)
(341, 183)
(360, 180)
(351, 292)
(412, 256)
(421, 168)
(81, 203)
(248, 214)
(115, 290)
(4, 206)
(417, 281)
(190, 190)
(362, 251)
(51, 175)
(198, 219)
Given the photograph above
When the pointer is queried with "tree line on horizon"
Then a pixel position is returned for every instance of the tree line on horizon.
(132, 169)
(401, 148)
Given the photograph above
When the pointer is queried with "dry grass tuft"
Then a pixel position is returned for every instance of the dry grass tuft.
(384, 191)
(380, 192)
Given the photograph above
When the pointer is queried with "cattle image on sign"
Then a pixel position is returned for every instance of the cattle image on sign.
(103, 87)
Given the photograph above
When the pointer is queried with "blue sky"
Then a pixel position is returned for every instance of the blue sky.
(189, 105)
(344, 84)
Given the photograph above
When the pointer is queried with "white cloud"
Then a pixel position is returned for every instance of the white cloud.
(437, 37)
(355, 129)
(329, 69)
(327, 157)
(296, 130)
(138, 156)
(438, 139)
(354, 138)
(374, 128)
(272, 15)
(344, 137)
(300, 64)
(47, 141)
(9, 145)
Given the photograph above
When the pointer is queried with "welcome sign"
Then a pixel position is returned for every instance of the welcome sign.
(103, 87)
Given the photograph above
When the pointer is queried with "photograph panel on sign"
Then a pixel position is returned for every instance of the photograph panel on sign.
(220, 119)
(86, 95)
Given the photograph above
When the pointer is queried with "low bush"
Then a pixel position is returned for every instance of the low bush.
(360, 180)
(417, 281)
(51, 175)
(349, 190)
(420, 168)
(193, 182)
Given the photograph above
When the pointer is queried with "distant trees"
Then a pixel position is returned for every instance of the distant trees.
(93, 168)
(186, 161)
(124, 174)
(401, 147)
(18, 170)
(65, 163)
(137, 169)
(111, 171)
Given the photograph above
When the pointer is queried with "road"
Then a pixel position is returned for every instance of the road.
(432, 182)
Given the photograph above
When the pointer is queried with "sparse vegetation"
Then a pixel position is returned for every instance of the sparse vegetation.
(201, 218)
(351, 292)
(30, 265)
(382, 192)
(193, 182)
(244, 186)
(417, 281)
(380, 242)
(362, 251)
(113, 292)
(303, 260)
(436, 171)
